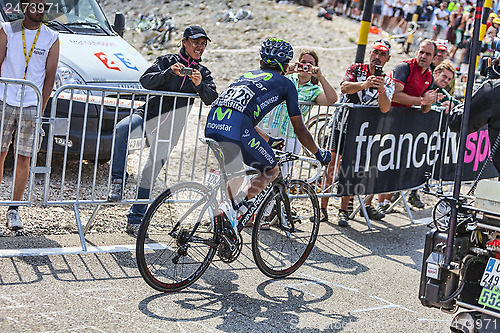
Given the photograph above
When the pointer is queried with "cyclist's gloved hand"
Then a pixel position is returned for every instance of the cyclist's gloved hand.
(323, 155)
(276, 143)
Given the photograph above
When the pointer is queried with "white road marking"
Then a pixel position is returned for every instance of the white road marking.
(331, 283)
(387, 306)
(15, 304)
(425, 220)
(294, 287)
(318, 281)
(97, 293)
(75, 250)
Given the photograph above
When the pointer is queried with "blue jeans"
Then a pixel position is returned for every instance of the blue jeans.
(163, 135)
(135, 122)
(137, 211)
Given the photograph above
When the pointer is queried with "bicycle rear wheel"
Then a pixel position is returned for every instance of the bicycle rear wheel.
(283, 248)
(168, 259)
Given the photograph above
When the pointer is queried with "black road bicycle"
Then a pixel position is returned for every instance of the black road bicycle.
(183, 230)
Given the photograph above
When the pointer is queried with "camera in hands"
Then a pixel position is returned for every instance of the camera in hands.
(186, 71)
(379, 70)
(302, 67)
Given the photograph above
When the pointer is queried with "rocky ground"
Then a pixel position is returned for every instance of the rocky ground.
(233, 50)
(235, 45)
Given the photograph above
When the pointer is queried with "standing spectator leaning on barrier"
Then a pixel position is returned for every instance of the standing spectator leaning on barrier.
(305, 75)
(234, 116)
(441, 55)
(163, 75)
(362, 84)
(413, 81)
(28, 50)
(443, 74)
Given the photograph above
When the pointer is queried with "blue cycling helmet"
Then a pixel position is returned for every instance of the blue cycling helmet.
(274, 51)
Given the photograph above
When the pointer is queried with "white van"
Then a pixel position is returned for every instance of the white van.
(91, 53)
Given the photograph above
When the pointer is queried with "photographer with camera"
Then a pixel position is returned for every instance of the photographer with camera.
(306, 76)
(362, 84)
(180, 72)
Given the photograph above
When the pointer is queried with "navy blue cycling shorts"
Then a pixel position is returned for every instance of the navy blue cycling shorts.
(241, 144)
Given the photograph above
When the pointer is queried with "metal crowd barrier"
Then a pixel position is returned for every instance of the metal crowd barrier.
(80, 174)
(7, 193)
(91, 115)
(80, 127)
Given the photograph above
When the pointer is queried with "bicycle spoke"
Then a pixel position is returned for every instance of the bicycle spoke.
(169, 259)
(283, 248)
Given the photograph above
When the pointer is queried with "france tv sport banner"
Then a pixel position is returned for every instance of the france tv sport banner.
(477, 150)
(393, 151)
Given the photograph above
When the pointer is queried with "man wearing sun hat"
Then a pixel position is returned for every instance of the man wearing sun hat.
(490, 20)
(360, 85)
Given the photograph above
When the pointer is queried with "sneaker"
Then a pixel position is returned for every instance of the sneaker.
(384, 209)
(373, 214)
(116, 190)
(414, 200)
(133, 229)
(323, 215)
(14, 220)
(343, 218)
(227, 208)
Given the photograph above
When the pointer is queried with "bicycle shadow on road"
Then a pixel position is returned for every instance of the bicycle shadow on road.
(280, 307)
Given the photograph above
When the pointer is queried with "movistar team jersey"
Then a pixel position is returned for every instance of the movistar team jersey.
(257, 92)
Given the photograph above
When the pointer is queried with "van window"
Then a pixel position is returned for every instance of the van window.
(71, 16)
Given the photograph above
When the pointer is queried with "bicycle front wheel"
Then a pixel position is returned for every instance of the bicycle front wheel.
(281, 243)
(177, 239)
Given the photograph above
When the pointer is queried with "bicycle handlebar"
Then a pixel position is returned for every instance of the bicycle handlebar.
(319, 167)
(295, 157)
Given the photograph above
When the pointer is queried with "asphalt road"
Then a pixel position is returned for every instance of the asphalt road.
(355, 280)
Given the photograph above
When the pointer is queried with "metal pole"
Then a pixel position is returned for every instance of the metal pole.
(413, 19)
(482, 31)
(463, 133)
(363, 31)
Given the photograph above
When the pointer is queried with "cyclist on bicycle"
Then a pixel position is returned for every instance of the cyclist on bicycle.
(234, 116)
